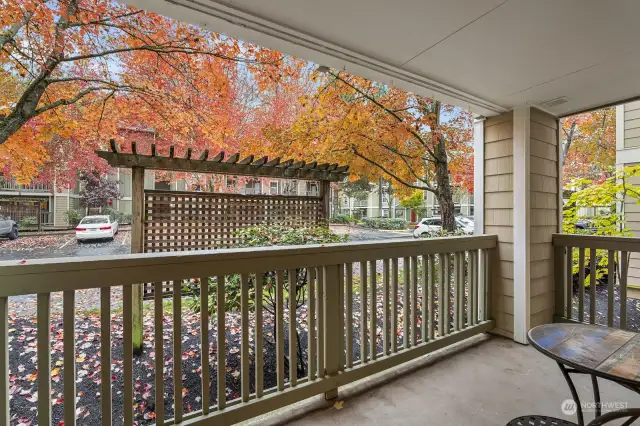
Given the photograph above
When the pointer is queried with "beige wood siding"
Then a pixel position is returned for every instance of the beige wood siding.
(61, 207)
(544, 186)
(498, 213)
(632, 222)
(632, 124)
(631, 209)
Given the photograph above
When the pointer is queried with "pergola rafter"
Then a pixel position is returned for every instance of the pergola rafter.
(234, 165)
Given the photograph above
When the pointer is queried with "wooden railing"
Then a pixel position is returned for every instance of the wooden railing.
(12, 185)
(576, 287)
(345, 284)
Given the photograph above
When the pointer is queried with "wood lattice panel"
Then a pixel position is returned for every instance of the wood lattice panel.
(181, 221)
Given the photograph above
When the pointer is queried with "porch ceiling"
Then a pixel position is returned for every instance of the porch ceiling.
(485, 55)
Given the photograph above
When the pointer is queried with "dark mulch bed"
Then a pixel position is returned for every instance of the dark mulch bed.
(602, 307)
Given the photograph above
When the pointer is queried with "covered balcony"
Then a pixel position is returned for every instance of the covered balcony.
(395, 332)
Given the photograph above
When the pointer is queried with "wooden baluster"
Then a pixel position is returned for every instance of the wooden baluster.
(311, 336)
(569, 289)
(320, 315)
(624, 266)
(394, 305)
(592, 286)
(456, 291)
(464, 292)
(177, 351)
(105, 354)
(473, 287)
(559, 277)
(341, 341)
(4, 362)
(158, 314)
(259, 335)
(581, 284)
(280, 330)
(69, 327)
(385, 309)
(44, 360)
(349, 315)
(442, 297)
(430, 267)
(204, 343)
(127, 356)
(244, 337)
(363, 312)
(373, 321)
(611, 279)
(293, 363)
(221, 337)
(414, 301)
(406, 304)
(447, 293)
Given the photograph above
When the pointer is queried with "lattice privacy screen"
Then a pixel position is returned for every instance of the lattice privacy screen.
(179, 221)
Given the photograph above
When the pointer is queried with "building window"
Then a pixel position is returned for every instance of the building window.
(273, 188)
(291, 187)
(163, 185)
(232, 181)
(312, 189)
(252, 187)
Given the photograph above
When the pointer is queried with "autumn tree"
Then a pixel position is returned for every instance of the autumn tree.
(380, 131)
(589, 145)
(96, 190)
(78, 70)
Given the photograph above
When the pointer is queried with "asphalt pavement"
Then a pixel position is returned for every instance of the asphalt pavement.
(65, 245)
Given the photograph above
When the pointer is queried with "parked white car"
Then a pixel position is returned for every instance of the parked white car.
(433, 225)
(96, 228)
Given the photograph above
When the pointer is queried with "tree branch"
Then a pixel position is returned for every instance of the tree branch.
(9, 35)
(390, 173)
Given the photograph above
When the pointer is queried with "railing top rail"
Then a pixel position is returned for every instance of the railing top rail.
(597, 241)
(51, 275)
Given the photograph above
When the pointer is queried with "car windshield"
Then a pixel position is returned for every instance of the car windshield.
(94, 220)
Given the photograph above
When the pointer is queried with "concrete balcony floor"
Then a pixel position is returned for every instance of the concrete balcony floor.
(486, 380)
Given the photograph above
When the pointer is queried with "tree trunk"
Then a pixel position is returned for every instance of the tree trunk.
(444, 194)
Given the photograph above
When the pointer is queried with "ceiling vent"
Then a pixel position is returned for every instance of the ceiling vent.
(554, 102)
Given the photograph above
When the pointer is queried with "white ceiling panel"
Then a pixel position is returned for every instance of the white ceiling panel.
(486, 55)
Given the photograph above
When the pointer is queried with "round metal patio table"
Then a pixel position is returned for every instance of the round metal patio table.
(600, 352)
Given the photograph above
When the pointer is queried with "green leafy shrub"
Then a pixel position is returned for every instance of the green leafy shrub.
(384, 223)
(28, 222)
(443, 233)
(73, 217)
(117, 215)
(277, 235)
(341, 219)
(260, 236)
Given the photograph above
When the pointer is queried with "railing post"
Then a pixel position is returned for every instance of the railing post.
(333, 331)
(560, 283)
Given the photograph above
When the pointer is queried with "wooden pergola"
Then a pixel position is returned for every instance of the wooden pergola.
(184, 204)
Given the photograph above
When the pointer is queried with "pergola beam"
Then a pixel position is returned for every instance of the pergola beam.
(261, 168)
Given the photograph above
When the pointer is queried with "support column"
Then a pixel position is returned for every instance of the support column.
(137, 223)
(325, 196)
(521, 189)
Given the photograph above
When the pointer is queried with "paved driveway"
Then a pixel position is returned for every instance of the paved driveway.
(47, 246)
(360, 233)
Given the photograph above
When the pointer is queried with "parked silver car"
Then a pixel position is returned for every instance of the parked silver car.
(8, 228)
